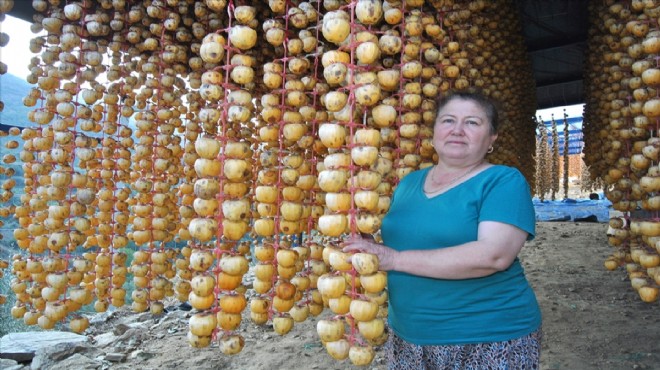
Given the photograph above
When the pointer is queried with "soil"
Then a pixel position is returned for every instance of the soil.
(592, 319)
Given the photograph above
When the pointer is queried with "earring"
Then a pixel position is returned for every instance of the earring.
(490, 150)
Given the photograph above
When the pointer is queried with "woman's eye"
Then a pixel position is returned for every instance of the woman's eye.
(472, 122)
(447, 120)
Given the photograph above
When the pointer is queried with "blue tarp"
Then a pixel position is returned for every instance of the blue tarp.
(573, 210)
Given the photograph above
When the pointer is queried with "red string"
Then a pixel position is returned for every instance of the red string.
(309, 153)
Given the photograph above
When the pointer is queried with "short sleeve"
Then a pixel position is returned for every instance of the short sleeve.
(507, 199)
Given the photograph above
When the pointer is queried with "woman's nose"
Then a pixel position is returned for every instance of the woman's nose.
(457, 128)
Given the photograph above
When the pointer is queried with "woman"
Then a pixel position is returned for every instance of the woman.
(458, 297)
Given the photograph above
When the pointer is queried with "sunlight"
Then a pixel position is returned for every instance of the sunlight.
(17, 53)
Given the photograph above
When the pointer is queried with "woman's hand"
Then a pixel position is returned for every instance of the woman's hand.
(386, 256)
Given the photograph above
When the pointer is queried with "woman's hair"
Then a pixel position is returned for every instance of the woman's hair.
(488, 105)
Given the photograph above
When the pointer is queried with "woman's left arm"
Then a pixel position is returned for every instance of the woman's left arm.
(496, 247)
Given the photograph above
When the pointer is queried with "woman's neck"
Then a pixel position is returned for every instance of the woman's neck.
(442, 177)
(448, 166)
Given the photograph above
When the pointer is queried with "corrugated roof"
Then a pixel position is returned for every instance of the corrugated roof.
(555, 33)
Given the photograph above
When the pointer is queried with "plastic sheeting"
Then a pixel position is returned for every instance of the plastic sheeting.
(578, 210)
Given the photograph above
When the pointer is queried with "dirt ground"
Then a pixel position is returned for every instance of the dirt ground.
(592, 319)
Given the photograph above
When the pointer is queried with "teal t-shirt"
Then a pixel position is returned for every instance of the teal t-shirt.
(428, 311)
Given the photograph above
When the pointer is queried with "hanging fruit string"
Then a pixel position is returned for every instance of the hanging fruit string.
(233, 169)
(106, 262)
(219, 132)
(208, 166)
(622, 119)
(353, 71)
(555, 159)
(307, 183)
(287, 215)
(120, 98)
(542, 182)
(269, 178)
(30, 269)
(566, 156)
(67, 117)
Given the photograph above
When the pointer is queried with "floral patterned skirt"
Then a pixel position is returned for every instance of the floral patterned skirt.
(520, 353)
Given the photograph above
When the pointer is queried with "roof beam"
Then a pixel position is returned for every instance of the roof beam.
(23, 10)
(559, 95)
(536, 47)
(561, 80)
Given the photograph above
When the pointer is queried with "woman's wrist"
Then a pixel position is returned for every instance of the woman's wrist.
(387, 256)
(394, 258)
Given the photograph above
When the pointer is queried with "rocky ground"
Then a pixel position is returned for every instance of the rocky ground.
(593, 319)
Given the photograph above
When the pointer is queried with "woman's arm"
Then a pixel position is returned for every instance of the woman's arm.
(496, 247)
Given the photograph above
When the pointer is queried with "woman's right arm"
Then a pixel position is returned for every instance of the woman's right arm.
(496, 247)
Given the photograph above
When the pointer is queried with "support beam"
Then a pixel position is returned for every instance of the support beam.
(556, 44)
(560, 80)
(23, 10)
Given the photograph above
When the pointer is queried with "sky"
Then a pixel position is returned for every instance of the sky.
(17, 56)
(571, 111)
(17, 53)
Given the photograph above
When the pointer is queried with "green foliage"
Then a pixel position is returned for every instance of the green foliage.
(7, 323)
(12, 91)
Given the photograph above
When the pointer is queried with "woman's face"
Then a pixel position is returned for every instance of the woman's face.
(462, 132)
